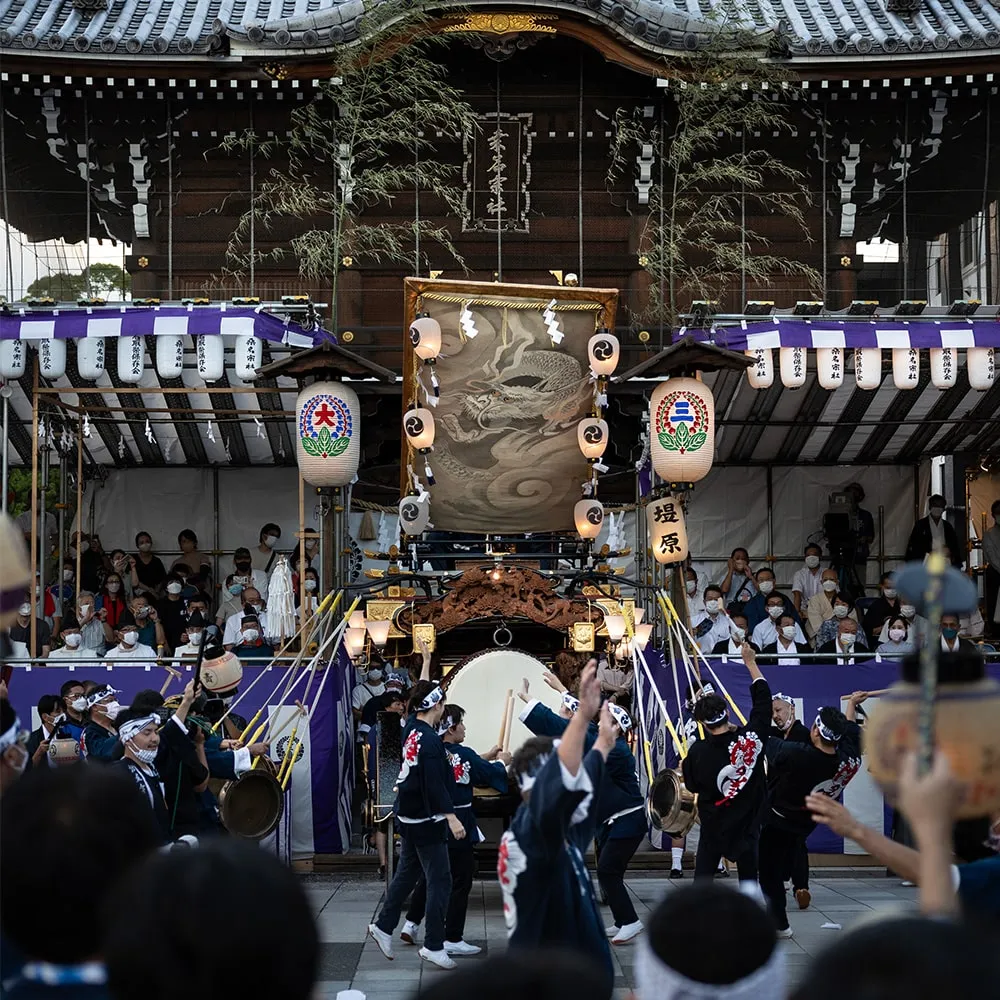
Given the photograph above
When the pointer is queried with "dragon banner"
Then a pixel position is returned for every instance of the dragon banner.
(515, 381)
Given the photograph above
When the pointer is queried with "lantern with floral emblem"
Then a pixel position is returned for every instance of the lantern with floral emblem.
(682, 420)
(327, 418)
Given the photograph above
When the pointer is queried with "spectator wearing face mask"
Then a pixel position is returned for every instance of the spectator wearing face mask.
(756, 607)
(899, 638)
(20, 635)
(253, 607)
(232, 600)
(171, 608)
(265, 555)
(738, 633)
(808, 581)
(933, 532)
(190, 581)
(251, 641)
(950, 641)
(786, 646)
(739, 586)
(714, 626)
(63, 592)
(99, 741)
(147, 620)
(148, 572)
(247, 575)
(72, 647)
(766, 633)
(843, 607)
(51, 715)
(884, 607)
(373, 686)
(130, 645)
(695, 602)
(121, 567)
(93, 563)
(916, 625)
(820, 607)
(111, 599)
(312, 591)
(74, 704)
(188, 651)
(97, 633)
(842, 649)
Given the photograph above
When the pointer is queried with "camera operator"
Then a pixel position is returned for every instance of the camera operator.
(850, 530)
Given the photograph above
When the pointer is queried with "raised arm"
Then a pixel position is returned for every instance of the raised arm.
(853, 701)
(425, 655)
(570, 750)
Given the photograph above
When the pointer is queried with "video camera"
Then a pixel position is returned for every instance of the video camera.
(840, 523)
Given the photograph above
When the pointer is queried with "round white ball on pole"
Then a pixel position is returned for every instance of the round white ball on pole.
(328, 443)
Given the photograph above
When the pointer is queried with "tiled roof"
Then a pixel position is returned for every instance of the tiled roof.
(801, 29)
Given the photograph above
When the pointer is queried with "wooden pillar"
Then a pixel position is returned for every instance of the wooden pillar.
(34, 509)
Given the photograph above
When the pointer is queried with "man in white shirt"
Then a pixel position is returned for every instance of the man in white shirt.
(189, 651)
(765, 633)
(73, 639)
(248, 574)
(252, 605)
(695, 602)
(808, 581)
(371, 687)
(713, 626)
(129, 647)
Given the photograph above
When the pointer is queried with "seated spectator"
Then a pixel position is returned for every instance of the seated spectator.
(885, 606)
(20, 634)
(120, 564)
(232, 600)
(247, 575)
(842, 649)
(843, 607)
(190, 582)
(148, 572)
(146, 618)
(251, 641)
(820, 607)
(808, 581)
(63, 591)
(766, 632)
(756, 607)
(312, 591)
(950, 641)
(898, 642)
(170, 610)
(786, 647)
(737, 636)
(695, 602)
(617, 680)
(130, 645)
(74, 704)
(90, 822)
(111, 599)
(916, 626)
(373, 686)
(714, 625)
(100, 738)
(253, 606)
(97, 633)
(195, 633)
(72, 647)
(738, 586)
(265, 555)
(51, 715)
(710, 941)
(181, 949)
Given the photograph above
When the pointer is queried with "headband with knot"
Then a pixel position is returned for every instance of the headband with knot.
(133, 727)
(826, 732)
(432, 698)
(570, 702)
(620, 716)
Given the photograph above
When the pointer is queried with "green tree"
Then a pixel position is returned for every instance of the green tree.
(106, 280)
(366, 138)
(722, 140)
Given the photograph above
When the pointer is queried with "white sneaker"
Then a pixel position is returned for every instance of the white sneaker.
(461, 948)
(409, 932)
(786, 933)
(383, 940)
(438, 958)
(611, 931)
(628, 932)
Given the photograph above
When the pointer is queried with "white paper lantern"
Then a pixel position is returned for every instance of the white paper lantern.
(868, 367)
(592, 436)
(682, 420)
(414, 515)
(13, 358)
(90, 355)
(328, 443)
(425, 336)
(944, 367)
(830, 367)
(792, 361)
(169, 356)
(667, 530)
(982, 366)
(248, 354)
(418, 425)
(603, 350)
(131, 359)
(51, 357)
(588, 515)
(760, 374)
(906, 367)
(211, 356)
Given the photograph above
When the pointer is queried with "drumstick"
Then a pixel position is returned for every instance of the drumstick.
(503, 717)
(508, 722)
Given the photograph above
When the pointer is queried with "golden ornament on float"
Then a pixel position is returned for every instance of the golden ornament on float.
(682, 422)
(667, 530)
(327, 420)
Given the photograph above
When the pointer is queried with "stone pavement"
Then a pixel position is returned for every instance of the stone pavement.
(344, 907)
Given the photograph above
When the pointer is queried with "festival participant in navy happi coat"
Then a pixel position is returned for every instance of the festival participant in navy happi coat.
(548, 899)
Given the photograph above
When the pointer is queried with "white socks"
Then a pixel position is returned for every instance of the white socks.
(676, 857)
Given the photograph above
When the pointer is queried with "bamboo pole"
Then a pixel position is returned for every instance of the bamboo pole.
(34, 510)
(508, 721)
(304, 614)
(79, 505)
(503, 717)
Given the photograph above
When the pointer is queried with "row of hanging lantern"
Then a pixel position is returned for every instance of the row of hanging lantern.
(92, 356)
(831, 363)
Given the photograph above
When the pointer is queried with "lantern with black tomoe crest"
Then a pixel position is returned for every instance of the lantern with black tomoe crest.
(418, 425)
(425, 337)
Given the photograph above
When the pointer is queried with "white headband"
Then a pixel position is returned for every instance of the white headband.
(785, 698)
(573, 704)
(431, 699)
(828, 734)
(134, 726)
(9, 738)
(100, 694)
(621, 717)
(718, 718)
(526, 779)
(655, 980)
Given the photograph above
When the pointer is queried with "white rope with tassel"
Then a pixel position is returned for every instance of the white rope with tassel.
(281, 601)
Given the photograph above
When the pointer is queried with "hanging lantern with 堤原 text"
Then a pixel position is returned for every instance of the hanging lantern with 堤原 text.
(760, 374)
(603, 350)
(682, 420)
(327, 420)
(944, 367)
(592, 437)
(667, 530)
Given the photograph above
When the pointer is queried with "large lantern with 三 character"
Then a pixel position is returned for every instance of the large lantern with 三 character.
(682, 420)
(327, 420)
(667, 530)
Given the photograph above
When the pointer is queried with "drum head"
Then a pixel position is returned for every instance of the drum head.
(480, 684)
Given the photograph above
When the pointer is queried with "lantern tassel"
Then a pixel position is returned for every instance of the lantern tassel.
(428, 474)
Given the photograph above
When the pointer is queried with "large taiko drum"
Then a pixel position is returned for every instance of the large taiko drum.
(480, 683)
